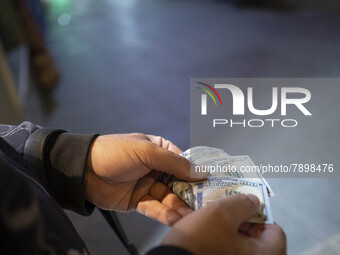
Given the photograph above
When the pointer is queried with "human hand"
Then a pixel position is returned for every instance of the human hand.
(124, 171)
(220, 228)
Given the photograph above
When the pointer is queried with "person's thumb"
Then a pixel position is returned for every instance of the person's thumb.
(163, 160)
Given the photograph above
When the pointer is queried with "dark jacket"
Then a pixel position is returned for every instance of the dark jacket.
(42, 170)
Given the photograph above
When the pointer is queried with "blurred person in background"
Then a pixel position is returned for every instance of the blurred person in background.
(43, 170)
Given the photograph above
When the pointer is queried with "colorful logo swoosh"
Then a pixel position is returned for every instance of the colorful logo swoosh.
(209, 93)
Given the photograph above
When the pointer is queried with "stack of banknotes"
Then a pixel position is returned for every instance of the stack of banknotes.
(224, 183)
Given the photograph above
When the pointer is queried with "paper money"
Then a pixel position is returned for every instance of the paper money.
(198, 153)
(226, 179)
(199, 194)
(219, 164)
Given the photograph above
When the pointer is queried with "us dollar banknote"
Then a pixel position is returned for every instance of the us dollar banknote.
(221, 184)
(198, 153)
(219, 164)
(198, 194)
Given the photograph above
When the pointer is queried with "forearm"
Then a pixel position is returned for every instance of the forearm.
(17, 136)
(60, 158)
(168, 250)
(66, 171)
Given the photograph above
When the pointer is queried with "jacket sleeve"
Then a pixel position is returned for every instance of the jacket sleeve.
(59, 157)
(168, 250)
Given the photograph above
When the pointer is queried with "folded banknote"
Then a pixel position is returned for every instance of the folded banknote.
(221, 184)
(213, 159)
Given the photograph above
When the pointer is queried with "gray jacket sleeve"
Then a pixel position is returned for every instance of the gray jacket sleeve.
(59, 157)
(168, 250)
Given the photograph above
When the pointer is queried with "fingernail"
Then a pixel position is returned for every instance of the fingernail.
(253, 198)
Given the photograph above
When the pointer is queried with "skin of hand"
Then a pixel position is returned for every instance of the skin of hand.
(220, 228)
(124, 173)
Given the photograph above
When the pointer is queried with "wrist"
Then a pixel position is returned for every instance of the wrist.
(92, 155)
(169, 249)
(179, 239)
(90, 176)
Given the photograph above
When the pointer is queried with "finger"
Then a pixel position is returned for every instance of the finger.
(273, 237)
(163, 194)
(240, 208)
(244, 227)
(169, 162)
(152, 208)
(142, 187)
(166, 144)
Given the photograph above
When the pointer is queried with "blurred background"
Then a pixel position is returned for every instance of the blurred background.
(124, 66)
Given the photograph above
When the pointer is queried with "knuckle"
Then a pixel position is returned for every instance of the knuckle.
(139, 136)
